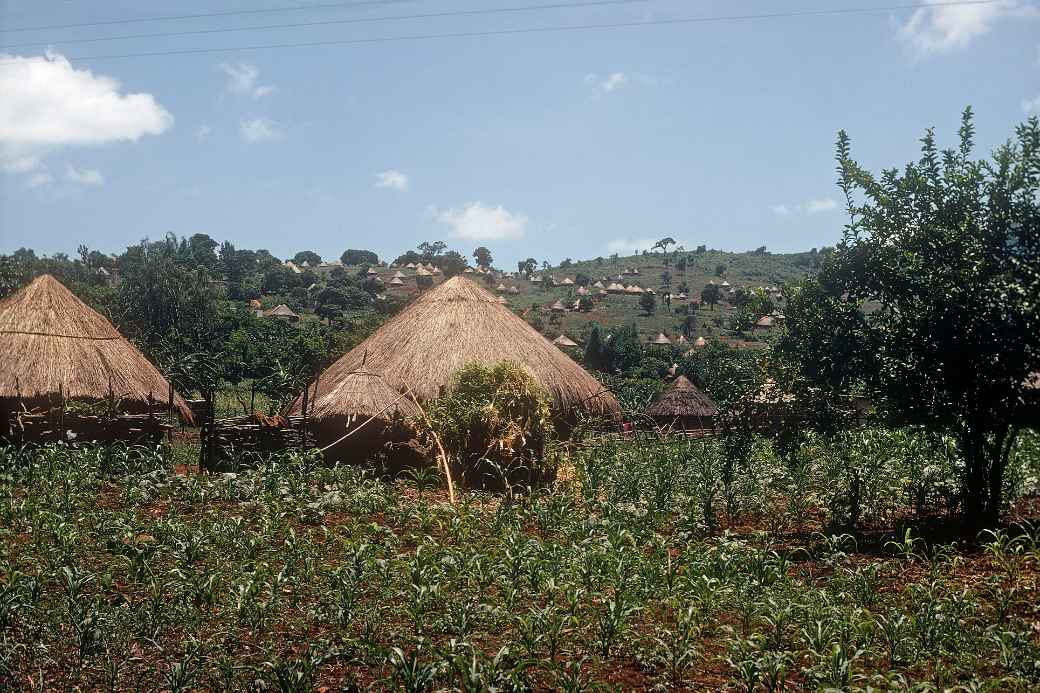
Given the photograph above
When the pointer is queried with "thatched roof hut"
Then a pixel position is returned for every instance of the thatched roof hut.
(765, 322)
(564, 341)
(684, 407)
(396, 281)
(558, 307)
(450, 326)
(615, 289)
(661, 340)
(633, 289)
(598, 285)
(282, 311)
(56, 347)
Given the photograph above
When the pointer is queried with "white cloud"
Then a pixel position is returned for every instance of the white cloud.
(259, 130)
(822, 205)
(203, 132)
(39, 178)
(48, 104)
(395, 180)
(242, 79)
(480, 222)
(948, 28)
(83, 176)
(619, 80)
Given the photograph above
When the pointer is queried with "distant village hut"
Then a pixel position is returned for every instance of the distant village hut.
(282, 312)
(683, 408)
(57, 350)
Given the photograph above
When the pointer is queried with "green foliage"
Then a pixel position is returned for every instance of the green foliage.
(483, 256)
(490, 414)
(307, 257)
(929, 302)
(648, 302)
(358, 257)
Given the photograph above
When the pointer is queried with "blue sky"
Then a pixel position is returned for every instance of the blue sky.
(558, 144)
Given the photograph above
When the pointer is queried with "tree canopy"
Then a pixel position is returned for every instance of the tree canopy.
(929, 303)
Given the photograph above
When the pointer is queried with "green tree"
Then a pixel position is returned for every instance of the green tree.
(353, 256)
(430, 250)
(947, 255)
(594, 350)
(663, 244)
(648, 303)
(452, 263)
(483, 256)
(711, 294)
(308, 257)
(527, 267)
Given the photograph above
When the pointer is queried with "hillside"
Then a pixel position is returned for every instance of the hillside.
(533, 299)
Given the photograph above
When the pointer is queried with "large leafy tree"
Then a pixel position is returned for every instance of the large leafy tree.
(930, 301)
(483, 256)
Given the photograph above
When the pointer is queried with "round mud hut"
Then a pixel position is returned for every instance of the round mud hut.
(418, 352)
(683, 408)
(57, 349)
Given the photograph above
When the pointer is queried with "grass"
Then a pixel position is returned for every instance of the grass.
(638, 568)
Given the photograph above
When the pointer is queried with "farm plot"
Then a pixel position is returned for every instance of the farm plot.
(639, 568)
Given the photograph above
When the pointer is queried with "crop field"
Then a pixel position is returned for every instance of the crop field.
(646, 564)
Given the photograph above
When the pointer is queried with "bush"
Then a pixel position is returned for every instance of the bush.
(493, 421)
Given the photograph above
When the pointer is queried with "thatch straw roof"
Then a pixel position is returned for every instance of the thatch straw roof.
(368, 395)
(615, 289)
(567, 281)
(661, 339)
(371, 271)
(682, 399)
(700, 342)
(598, 285)
(396, 281)
(564, 341)
(421, 272)
(398, 275)
(558, 306)
(450, 326)
(765, 321)
(634, 289)
(280, 311)
(53, 343)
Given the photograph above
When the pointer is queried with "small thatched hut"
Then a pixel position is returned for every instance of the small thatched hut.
(564, 341)
(420, 349)
(57, 349)
(282, 312)
(683, 407)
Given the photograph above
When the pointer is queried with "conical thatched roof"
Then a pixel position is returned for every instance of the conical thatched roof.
(662, 339)
(450, 326)
(564, 341)
(700, 342)
(53, 343)
(368, 395)
(398, 275)
(558, 306)
(396, 281)
(682, 399)
(280, 311)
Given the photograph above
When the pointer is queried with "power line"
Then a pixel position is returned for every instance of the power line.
(207, 15)
(330, 22)
(531, 30)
